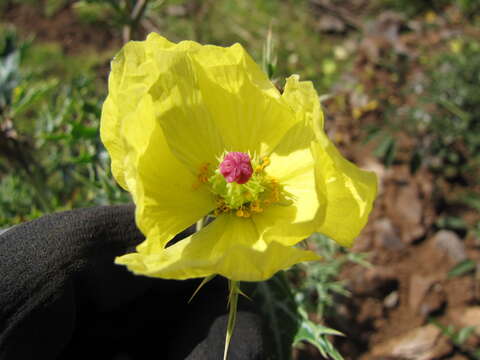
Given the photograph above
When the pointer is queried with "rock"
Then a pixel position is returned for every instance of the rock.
(450, 243)
(386, 235)
(405, 209)
(422, 343)
(459, 357)
(410, 209)
(329, 23)
(377, 281)
(419, 288)
(468, 317)
(391, 300)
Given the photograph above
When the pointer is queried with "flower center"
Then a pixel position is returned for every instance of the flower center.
(236, 167)
(241, 185)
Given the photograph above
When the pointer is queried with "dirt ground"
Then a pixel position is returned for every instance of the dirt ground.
(395, 303)
(61, 28)
(398, 306)
(389, 314)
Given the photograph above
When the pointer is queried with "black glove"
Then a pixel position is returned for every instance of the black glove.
(62, 297)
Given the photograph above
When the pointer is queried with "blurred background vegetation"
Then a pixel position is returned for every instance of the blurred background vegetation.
(400, 79)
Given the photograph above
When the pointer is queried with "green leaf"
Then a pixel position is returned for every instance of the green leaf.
(472, 200)
(86, 132)
(372, 132)
(57, 137)
(451, 222)
(83, 159)
(415, 161)
(446, 330)
(10, 56)
(53, 6)
(270, 70)
(476, 353)
(310, 330)
(462, 268)
(387, 150)
(463, 334)
(316, 334)
(31, 97)
(269, 59)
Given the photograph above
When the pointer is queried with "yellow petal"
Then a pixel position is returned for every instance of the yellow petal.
(292, 223)
(209, 99)
(142, 162)
(230, 246)
(292, 164)
(302, 97)
(246, 107)
(180, 109)
(167, 200)
(172, 198)
(132, 74)
(109, 132)
(349, 192)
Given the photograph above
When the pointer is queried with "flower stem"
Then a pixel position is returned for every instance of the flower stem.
(234, 290)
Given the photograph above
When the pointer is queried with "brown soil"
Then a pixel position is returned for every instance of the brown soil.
(396, 306)
(408, 283)
(62, 28)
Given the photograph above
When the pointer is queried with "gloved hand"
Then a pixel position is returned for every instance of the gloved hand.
(62, 297)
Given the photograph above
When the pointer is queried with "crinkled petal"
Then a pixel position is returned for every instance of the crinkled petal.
(292, 164)
(168, 197)
(344, 193)
(292, 221)
(179, 107)
(110, 135)
(247, 109)
(209, 99)
(302, 97)
(349, 192)
(142, 162)
(230, 246)
(133, 71)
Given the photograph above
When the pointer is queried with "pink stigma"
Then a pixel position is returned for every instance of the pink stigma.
(236, 167)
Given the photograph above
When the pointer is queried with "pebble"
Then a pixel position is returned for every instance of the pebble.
(450, 243)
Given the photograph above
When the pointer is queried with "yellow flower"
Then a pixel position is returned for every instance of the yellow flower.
(197, 131)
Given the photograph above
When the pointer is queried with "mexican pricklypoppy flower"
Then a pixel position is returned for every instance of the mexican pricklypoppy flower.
(196, 131)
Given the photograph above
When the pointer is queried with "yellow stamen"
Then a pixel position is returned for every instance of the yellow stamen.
(265, 162)
(255, 207)
(202, 176)
(203, 173)
(253, 202)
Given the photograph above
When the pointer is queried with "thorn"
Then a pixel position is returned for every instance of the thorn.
(204, 281)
